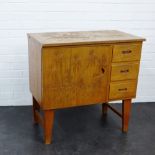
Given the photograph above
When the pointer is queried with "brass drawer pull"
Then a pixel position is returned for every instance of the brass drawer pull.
(122, 89)
(126, 52)
(124, 71)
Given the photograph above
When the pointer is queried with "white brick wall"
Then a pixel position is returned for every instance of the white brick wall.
(18, 17)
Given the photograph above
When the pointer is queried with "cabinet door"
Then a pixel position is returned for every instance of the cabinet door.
(73, 76)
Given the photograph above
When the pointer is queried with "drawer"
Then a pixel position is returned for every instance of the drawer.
(126, 52)
(124, 71)
(123, 90)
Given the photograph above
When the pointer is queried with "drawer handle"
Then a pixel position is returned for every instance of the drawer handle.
(103, 70)
(126, 52)
(124, 71)
(122, 89)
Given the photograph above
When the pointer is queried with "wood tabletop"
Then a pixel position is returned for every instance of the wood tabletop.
(83, 37)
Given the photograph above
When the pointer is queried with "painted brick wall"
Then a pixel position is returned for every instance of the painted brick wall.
(18, 17)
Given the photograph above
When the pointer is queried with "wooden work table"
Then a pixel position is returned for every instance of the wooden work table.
(69, 69)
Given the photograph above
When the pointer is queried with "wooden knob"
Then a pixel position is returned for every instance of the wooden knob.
(103, 70)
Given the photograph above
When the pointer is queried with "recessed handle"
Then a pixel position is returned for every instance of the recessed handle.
(103, 70)
(124, 71)
(126, 51)
(122, 89)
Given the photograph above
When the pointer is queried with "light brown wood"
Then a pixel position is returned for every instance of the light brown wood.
(126, 111)
(35, 68)
(122, 90)
(125, 115)
(124, 71)
(127, 52)
(74, 76)
(68, 69)
(83, 37)
(48, 125)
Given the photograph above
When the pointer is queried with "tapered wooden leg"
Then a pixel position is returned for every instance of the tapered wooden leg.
(104, 108)
(126, 110)
(48, 125)
(35, 108)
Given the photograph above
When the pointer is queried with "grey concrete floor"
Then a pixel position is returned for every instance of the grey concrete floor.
(79, 131)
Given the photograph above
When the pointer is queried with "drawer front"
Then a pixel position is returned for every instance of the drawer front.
(123, 90)
(79, 74)
(124, 71)
(126, 52)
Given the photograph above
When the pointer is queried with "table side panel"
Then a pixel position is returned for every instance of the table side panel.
(34, 50)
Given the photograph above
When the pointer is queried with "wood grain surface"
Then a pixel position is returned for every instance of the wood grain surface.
(124, 71)
(127, 52)
(35, 69)
(83, 37)
(75, 76)
(123, 90)
(81, 68)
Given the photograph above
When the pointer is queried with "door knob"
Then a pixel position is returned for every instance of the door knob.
(103, 70)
